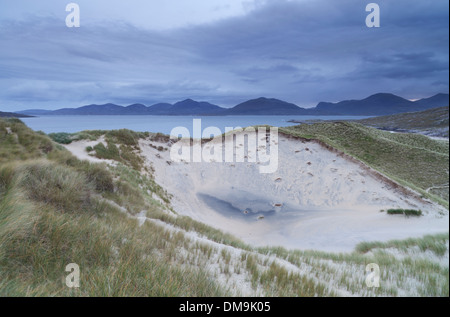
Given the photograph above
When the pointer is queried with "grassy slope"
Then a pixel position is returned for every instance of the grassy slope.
(410, 159)
(52, 214)
(434, 121)
(55, 210)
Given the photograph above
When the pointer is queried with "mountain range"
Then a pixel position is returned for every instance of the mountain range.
(381, 104)
(375, 105)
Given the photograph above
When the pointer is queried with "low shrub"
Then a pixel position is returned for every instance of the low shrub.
(61, 138)
(406, 212)
(110, 152)
(124, 136)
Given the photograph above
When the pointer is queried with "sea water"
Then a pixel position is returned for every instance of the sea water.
(163, 124)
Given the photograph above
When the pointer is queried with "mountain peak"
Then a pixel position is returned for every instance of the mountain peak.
(137, 105)
(385, 96)
(379, 104)
(192, 107)
(265, 106)
(186, 101)
(438, 100)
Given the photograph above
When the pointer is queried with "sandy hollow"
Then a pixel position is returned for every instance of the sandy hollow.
(317, 199)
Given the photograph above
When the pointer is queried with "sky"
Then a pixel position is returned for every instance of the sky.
(221, 51)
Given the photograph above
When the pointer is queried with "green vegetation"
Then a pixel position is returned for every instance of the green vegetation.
(20, 143)
(406, 212)
(67, 138)
(122, 136)
(114, 254)
(62, 138)
(412, 160)
(52, 213)
(121, 145)
(433, 243)
(111, 152)
(433, 122)
(400, 262)
(276, 280)
(190, 225)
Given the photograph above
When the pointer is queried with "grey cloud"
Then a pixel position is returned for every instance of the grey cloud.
(402, 66)
(300, 51)
(286, 72)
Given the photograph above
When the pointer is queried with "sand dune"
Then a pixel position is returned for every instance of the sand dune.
(318, 199)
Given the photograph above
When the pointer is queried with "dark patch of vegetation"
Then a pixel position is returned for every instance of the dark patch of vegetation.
(68, 138)
(159, 137)
(406, 212)
(159, 148)
(109, 152)
(62, 138)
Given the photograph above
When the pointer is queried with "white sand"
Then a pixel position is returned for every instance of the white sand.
(331, 204)
(328, 201)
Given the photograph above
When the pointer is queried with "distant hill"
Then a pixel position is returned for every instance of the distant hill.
(135, 109)
(186, 107)
(439, 100)
(191, 107)
(434, 122)
(107, 109)
(35, 112)
(265, 106)
(13, 115)
(160, 108)
(375, 105)
(380, 104)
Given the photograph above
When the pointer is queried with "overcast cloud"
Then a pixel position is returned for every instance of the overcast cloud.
(221, 51)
